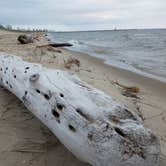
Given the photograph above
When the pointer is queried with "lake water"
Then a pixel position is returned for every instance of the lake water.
(141, 51)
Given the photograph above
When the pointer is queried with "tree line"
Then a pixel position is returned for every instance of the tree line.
(9, 27)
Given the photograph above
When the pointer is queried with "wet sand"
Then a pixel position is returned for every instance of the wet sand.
(24, 140)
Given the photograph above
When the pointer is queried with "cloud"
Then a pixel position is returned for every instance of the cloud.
(84, 14)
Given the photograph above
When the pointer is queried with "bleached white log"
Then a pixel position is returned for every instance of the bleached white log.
(94, 127)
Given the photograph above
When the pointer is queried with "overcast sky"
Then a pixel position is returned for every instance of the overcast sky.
(84, 14)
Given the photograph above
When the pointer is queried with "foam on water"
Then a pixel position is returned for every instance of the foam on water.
(141, 51)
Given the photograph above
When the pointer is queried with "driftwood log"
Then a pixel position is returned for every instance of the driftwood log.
(94, 127)
(60, 44)
(25, 39)
(57, 45)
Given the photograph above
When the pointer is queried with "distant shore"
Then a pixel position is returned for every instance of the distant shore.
(20, 130)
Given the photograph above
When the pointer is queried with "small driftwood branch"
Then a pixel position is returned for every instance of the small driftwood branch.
(60, 44)
(57, 45)
(94, 127)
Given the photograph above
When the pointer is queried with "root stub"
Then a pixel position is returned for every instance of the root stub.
(94, 127)
(34, 77)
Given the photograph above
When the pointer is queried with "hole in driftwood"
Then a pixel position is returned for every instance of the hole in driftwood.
(25, 71)
(55, 113)
(6, 82)
(0, 69)
(27, 68)
(6, 68)
(47, 97)
(37, 90)
(90, 136)
(87, 117)
(61, 95)
(72, 128)
(10, 86)
(60, 106)
(26, 92)
(14, 76)
(120, 132)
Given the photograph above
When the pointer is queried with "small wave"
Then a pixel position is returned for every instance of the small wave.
(133, 50)
(99, 51)
(76, 42)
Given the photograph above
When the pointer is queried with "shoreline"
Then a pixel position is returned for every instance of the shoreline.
(122, 74)
(138, 73)
(141, 74)
(107, 54)
(148, 103)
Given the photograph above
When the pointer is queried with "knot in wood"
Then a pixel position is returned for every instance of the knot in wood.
(34, 77)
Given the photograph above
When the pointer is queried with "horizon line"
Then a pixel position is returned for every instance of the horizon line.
(120, 29)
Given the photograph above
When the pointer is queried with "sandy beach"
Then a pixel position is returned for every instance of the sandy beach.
(25, 141)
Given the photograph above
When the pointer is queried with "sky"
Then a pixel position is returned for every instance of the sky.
(74, 15)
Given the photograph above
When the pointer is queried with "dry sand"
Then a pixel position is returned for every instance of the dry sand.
(25, 141)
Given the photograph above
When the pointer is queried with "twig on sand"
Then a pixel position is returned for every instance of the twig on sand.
(133, 89)
(128, 91)
(28, 151)
(70, 62)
